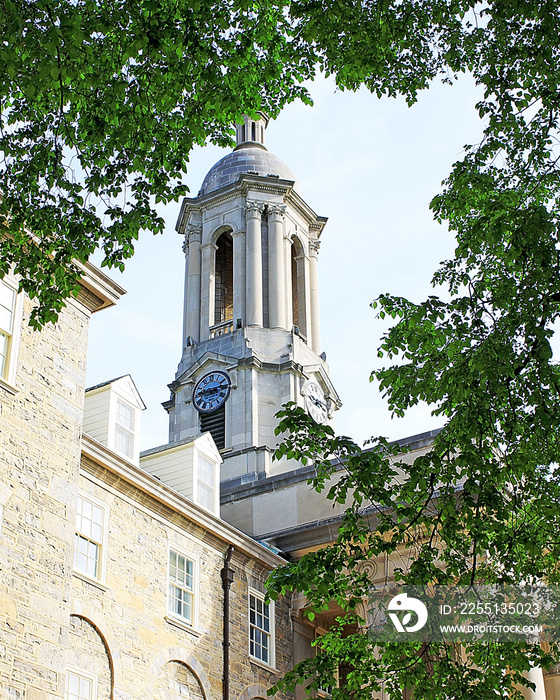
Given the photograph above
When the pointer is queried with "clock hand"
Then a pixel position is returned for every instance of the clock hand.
(317, 402)
(209, 391)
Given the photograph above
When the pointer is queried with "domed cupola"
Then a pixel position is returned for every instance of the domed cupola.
(249, 156)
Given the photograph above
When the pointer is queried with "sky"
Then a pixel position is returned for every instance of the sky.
(371, 166)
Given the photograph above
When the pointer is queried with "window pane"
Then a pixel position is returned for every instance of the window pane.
(73, 684)
(89, 537)
(7, 303)
(87, 509)
(3, 354)
(79, 687)
(6, 320)
(97, 515)
(259, 629)
(181, 585)
(205, 470)
(125, 415)
(124, 441)
(205, 495)
(7, 295)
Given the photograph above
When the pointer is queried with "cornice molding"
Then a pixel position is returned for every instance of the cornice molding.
(97, 290)
(257, 183)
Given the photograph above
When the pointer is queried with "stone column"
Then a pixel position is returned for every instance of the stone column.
(288, 282)
(536, 676)
(191, 322)
(208, 289)
(276, 296)
(315, 330)
(185, 293)
(239, 272)
(254, 298)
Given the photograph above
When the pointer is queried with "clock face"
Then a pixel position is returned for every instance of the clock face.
(211, 392)
(316, 403)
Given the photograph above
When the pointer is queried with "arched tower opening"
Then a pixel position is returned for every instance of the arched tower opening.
(223, 289)
(298, 286)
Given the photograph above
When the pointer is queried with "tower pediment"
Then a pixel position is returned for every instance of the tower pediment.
(209, 360)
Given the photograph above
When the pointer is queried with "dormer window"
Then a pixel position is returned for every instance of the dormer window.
(190, 468)
(112, 415)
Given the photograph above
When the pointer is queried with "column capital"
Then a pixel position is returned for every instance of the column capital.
(194, 233)
(276, 212)
(254, 209)
(314, 245)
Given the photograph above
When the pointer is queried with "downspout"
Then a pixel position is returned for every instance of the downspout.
(227, 579)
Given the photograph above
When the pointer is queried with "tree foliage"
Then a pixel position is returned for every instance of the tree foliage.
(101, 103)
(483, 504)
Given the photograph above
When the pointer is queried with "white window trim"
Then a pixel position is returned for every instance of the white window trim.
(173, 617)
(112, 437)
(104, 541)
(271, 664)
(216, 504)
(8, 380)
(72, 670)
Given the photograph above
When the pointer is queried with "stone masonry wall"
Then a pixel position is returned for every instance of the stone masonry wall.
(51, 617)
(40, 427)
(130, 610)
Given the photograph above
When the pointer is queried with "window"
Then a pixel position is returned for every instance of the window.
(124, 429)
(80, 685)
(8, 335)
(205, 483)
(181, 587)
(223, 279)
(297, 267)
(90, 528)
(261, 628)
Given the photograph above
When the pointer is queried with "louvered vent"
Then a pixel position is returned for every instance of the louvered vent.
(215, 424)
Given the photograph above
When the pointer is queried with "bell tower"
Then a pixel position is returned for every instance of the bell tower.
(251, 333)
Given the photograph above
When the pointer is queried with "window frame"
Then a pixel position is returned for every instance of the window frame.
(8, 372)
(257, 595)
(80, 673)
(102, 544)
(124, 429)
(170, 613)
(215, 507)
